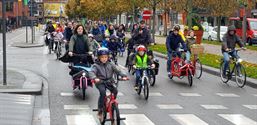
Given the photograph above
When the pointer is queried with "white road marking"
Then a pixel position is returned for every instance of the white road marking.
(227, 95)
(136, 119)
(190, 94)
(169, 106)
(251, 106)
(188, 119)
(76, 107)
(214, 107)
(238, 119)
(155, 94)
(80, 120)
(66, 94)
(127, 106)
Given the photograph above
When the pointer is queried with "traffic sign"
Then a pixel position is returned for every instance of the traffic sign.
(147, 14)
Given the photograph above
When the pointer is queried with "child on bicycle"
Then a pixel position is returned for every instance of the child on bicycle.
(190, 40)
(141, 60)
(103, 70)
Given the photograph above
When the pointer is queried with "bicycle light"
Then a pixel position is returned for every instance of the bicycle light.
(83, 74)
(239, 60)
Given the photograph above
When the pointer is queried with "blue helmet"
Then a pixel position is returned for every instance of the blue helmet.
(102, 51)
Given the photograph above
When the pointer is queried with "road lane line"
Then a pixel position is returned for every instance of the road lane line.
(76, 107)
(136, 119)
(188, 119)
(169, 106)
(227, 95)
(253, 107)
(127, 106)
(158, 94)
(66, 94)
(238, 119)
(80, 120)
(190, 94)
(214, 107)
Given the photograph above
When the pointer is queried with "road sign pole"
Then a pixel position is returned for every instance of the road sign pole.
(4, 43)
(31, 21)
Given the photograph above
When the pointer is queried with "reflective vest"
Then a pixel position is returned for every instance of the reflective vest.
(141, 63)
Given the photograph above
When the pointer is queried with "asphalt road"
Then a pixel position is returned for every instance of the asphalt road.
(171, 102)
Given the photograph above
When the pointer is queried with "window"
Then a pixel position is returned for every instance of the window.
(9, 6)
(253, 25)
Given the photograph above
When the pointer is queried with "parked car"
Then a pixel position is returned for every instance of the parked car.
(207, 32)
(214, 31)
(251, 30)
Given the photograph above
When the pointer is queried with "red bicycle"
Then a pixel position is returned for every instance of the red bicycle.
(110, 107)
(180, 69)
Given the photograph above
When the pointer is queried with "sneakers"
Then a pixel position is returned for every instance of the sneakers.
(169, 74)
(100, 116)
(136, 87)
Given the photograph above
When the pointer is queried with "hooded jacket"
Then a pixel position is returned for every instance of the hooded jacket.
(105, 71)
(173, 42)
(230, 41)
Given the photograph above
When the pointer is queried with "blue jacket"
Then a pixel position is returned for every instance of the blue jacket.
(173, 42)
(113, 46)
(104, 44)
(96, 31)
(102, 28)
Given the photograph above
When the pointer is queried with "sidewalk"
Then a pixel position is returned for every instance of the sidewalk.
(16, 109)
(248, 55)
(21, 81)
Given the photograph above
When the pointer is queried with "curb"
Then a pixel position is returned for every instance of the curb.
(27, 45)
(33, 83)
(250, 81)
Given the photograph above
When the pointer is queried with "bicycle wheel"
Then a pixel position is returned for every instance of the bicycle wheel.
(146, 89)
(115, 115)
(152, 78)
(83, 89)
(240, 75)
(49, 47)
(198, 69)
(190, 77)
(225, 77)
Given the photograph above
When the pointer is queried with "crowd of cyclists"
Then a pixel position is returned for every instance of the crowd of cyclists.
(100, 44)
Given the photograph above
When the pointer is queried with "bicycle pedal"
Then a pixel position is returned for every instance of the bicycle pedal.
(95, 110)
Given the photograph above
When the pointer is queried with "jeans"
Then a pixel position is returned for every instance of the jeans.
(188, 55)
(226, 58)
(102, 90)
(138, 75)
(170, 55)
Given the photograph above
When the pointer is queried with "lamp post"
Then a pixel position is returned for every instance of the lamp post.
(4, 42)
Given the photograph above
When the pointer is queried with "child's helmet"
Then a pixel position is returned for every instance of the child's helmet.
(141, 48)
(102, 51)
(91, 35)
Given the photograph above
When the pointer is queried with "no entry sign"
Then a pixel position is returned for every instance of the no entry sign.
(147, 14)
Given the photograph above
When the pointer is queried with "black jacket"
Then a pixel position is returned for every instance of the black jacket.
(143, 39)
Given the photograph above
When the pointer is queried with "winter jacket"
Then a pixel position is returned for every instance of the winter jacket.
(230, 41)
(105, 71)
(68, 33)
(143, 39)
(79, 44)
(96, 31)
(113, 46)
(94, 45)
(190, 41)
(173, 42)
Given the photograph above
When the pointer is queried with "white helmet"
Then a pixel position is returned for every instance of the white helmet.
(91, 35)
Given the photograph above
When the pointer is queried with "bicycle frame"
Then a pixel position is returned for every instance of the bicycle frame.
(109, 101)
(181, 70)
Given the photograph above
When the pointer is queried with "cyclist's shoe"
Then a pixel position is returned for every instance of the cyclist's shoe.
(169, 74)
(136, 87)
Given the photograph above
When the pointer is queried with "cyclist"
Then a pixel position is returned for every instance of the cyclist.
(110, 31)
(142, 35)
(103, 70)
(173, 42)
(94, 45)
(79, 45)
(113, 46)
(67, 35)
(230, 39)
(141, 60)
(190, 40)
(105, 41)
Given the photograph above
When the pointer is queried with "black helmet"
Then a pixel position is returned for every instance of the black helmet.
(176, 27)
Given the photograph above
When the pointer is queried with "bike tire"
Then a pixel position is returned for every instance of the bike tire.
(240, 74)
(152, 78)
(83, 89)
(146, 89)
(224, 79)
(198, 75)
(190, 77)
(115, 115)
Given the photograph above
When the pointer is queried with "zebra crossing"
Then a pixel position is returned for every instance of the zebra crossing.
(89, 118)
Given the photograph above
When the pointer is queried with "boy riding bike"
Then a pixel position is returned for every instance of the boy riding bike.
(141, 60)
(103, 70)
